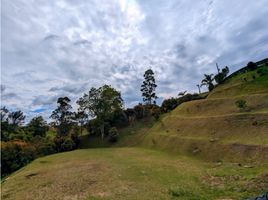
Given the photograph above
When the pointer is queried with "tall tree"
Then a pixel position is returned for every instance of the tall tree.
(38, 126)
(101, 103)
(63, 116)
(16, 118)
(208, 81)
(148, 87)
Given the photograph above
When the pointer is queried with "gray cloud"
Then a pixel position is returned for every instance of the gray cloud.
(58, 48)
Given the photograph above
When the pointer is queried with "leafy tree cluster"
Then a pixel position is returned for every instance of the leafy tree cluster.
(21, 144)
(171, 103)
(212, 81)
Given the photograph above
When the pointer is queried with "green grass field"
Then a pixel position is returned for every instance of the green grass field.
(132, 173)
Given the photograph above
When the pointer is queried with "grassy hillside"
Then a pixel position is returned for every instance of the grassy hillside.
(131, 173)
(215, 128)
(210, 149)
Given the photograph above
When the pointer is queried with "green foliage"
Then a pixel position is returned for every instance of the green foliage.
(119, 118)
(208, 81)
(169, 104)
(68, 145)
(252, 66)
(14, 155)
(43, 146)
(113, 135)
(93, 127)
(64, 143)
(16, 118)
(172, 103)
(156, 112)
(101, 103)
(219, 78)
(38, 126)
(262, 71)
(241, 104)
(148, 87)
(139, 111)
(63, 116)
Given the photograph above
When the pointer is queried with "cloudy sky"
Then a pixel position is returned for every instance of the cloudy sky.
(64, 47)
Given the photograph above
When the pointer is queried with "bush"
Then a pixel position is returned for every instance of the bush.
(68, 144)
(119, 118)
(241, 104)
(93, 127)
(156, 112)
(15, 154)
(169, 104)
(252, 66)
(43, 146)
(172, 103)
(113, 135)
(64, 143)
(140, 111)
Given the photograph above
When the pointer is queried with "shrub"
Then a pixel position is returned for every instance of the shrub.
(43, 146)
(15, 154)
(140, 111)
(64, 143)
(68, 144)
(93, 127)
(241, 104)
(261, 71)
(156, 112)
(119, 118)
(169, 104)
(252, 66)
(113, 135)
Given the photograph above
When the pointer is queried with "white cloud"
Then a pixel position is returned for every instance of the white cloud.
(55, 48)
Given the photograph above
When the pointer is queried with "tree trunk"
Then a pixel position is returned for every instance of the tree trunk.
(102, 131)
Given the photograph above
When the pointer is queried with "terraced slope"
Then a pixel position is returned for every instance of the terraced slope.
(214, 128)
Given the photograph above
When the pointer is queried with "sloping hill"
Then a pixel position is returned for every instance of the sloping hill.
(215, 129)
(210, 150)
(131, 173)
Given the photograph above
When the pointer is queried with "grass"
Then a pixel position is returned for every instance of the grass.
(204, 149)
(243, 84)
(132, 173)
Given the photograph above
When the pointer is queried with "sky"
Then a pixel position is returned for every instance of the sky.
(51, 49)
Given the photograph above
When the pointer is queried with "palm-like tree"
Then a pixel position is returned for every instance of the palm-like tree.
(208, 81)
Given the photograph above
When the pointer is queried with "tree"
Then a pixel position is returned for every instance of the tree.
(101, 104)
(4, 114)
(38, 126)
(16, 118)
(63, 116)
(219, 78)
(252, 66)
(81, 117)
(169, 104)
(199, 88)
(208, 81)
(148, 87)
(182, 93)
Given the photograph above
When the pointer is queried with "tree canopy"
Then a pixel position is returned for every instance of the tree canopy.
(63, 115)
(101, 103)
